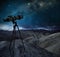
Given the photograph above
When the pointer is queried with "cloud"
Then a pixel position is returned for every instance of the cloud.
(8, 27)
(5, 27)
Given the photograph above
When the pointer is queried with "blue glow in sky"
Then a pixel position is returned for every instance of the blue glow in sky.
(37, 13)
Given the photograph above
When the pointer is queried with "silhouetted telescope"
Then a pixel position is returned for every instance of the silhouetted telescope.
(13, 18)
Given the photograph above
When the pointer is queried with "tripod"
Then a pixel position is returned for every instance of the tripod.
(12, 41)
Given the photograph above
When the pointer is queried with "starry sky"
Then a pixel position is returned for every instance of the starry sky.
(36, 13)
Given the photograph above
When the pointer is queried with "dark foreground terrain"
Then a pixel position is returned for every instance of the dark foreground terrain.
(39, 43)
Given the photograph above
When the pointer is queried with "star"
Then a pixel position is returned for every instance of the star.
(42, 4)
(29, 4)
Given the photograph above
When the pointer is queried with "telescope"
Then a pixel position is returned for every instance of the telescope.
(13, 18)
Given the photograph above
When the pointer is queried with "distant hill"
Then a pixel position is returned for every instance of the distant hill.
(6, 35)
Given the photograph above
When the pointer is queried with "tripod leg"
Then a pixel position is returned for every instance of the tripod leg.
(10, 48)
(13, 54)
(12, 44)
(22, 42)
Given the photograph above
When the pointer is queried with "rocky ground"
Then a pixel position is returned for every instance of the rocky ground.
(36, 44)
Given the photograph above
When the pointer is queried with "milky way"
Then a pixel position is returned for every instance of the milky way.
(37, 13)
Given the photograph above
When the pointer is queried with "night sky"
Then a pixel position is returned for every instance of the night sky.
(37, 13)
